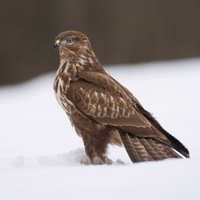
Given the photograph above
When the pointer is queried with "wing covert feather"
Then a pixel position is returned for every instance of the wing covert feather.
(98, 102)
(105, 81)
(109, 108)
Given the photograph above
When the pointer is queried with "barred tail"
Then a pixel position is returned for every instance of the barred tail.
(146, 149)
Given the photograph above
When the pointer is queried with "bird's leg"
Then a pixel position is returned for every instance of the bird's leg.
(91, 162)
(91, 156)
(103, 159)
(89, 150)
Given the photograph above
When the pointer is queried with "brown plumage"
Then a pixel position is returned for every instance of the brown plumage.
(102, 110)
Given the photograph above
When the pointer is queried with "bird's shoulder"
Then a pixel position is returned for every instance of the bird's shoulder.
(102, 79)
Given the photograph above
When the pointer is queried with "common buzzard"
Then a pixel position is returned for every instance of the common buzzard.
(102, 110)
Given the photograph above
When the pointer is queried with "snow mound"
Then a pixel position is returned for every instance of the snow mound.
(18, 162)
(73, 157)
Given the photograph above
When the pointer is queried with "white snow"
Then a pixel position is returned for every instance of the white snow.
(42, 158)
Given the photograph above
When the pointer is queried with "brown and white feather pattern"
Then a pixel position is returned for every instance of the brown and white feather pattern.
(102, 110)
(100, 103)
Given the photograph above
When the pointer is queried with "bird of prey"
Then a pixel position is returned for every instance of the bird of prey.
(102, 110)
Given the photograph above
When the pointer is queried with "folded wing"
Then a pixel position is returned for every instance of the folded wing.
(105, 101)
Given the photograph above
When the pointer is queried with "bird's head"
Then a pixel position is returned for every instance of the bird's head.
(72, 44)
(75, 47)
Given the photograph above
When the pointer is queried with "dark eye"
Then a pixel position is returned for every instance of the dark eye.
(69, 40)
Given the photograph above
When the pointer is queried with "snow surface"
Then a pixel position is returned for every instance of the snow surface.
(41, 157)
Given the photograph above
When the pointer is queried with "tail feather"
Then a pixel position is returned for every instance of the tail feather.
(167, 150)
(130, 148)
(146, 149)
(162, 154)
(153, 150)
(176, 144)
(142, 152)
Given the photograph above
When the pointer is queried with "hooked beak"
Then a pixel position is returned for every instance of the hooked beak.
(56, 46)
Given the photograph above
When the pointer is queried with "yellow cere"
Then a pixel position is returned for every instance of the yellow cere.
(58, 41)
